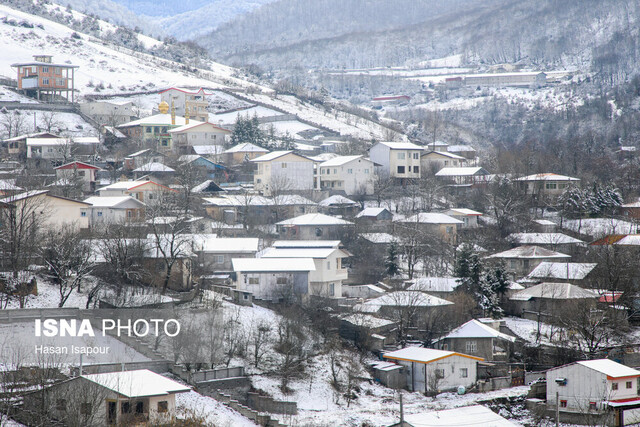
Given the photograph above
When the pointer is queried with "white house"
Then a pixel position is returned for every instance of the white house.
(144, 191)
(198, 134)
(431, 371)
(79, 172)
(435, 160)
(283, 171)
(313, 226)
(58, 149)
(522, 260)
(112, 398)
(398, 159)
(594, 387)
(469, 217)
(474, 415)
(546, 183)
(326, 280)
(217, 252)
(349, 174)
(195, 101)
(272, 279)
(114, 210)
(109, 113)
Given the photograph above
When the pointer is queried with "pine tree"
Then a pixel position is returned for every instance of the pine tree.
(468, 270)
(494, 284)
(391, 261)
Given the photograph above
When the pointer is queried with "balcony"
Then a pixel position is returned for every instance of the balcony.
(30, 82)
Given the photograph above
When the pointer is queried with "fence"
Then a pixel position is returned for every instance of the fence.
(158, 366)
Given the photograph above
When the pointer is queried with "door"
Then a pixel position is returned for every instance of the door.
(111, 412)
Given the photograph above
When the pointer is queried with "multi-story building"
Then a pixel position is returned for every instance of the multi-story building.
(398, 159)
(197, 134)
(280, 171)
(42, 77)
(188, 102)
(347, 174)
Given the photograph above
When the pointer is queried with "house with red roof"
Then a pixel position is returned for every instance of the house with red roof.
(191, 102)
(81, 173)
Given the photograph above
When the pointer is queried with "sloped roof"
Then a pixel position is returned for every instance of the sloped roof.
(543, 239)
(460, 148)
(401, 145)
(306, 244)
(434, 284)
(474, 415)
(379, 237)
(272, 264)
(316, 253)
(158, 120)
(371, 212)
(208, 150)
(337, 200)
(140, 383)
(154, 167)
(610, 368)
(562, 270)
(274, 155)
(111, 202)
(462, 171)
(464, 211)
(401, 299)
(423, 355)
(547, 177)
(231, 244)
(558, 291)
(629, 240)
(246, 147)
(78, 165)
(194, 124)
(444, 154)
(314, 219)
(340, 160)
(431, 218)
(529, 252)
(476, 329)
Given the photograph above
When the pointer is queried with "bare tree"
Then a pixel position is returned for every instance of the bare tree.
(13, 123)
(49, 121)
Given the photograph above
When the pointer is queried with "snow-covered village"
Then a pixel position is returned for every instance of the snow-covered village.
(363, 213)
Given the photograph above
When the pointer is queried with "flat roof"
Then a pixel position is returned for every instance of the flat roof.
(424, 355)
(140, 383)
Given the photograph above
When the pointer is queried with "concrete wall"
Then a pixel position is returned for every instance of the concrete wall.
(269, 404)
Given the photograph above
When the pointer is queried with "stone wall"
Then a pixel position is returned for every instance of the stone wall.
(269, 404)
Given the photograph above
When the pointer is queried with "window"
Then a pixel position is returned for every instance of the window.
(45, 69)
(193, 136)
(464, 372)
(283, 165)
(593, 406)
(281, 280)
(163, 405)
(335, 171)
(60, 82)
(332, 289)
(439, 373)
(525, 263)
(366, 170)
(416, 156)
(349, 170)
(80, 173)
(125, 408)
(446, 163)
(58, 71)
(445, 347)
(629, 385)
(328, 265)
(45, 81)
(148, 130)
(318, 232)
(401, 156)
(83, 214)
(254, 281)
(165, 143)
(61, 404)
(400, 169)
(99, 213)
(563, 403)
(512, 263)
(85, 408)
(339, 183)
(416, 169)
(139, 407)
(550, 186)
(322, 171)
(614, 386)
(472, 346)
(219, 259)
(449, 229)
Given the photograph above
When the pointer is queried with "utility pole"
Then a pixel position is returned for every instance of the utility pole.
(557, 408)
(401, 410)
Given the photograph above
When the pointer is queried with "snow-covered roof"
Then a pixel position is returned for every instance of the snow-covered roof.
(401, 145)
(31, 135)
(336, 200)
(314, 219)
(111, 202)
(475, 415)
(274, 155)
(83, 140)
(126, 185)
(553, 291)
(158, 120)
(543, 239)
(154, 167)
(139, 383)
(476, 329)
(246, 147)
(562, 270)
(195, 124)
(610, 368)
(529, 252)
(431, 218)
(544, 222)
(629, 240)
(401, 299)
(371, 212)
(248, 265)
(463, 211)
(379, 237)
(22, 196)
(316, 253)
(256, 200)
(231, 245)
(9, 185)
(339, 161)
(423, 355)
(434, 284)
(366, 320)
(444, 154)
(208, 150)
(306, 244)
(460, 148)
(547, 177)
(462, 171)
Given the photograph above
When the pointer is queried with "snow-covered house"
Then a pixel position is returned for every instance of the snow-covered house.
(573, 272)
(159, 171)
(548, 299)
(110, 113)
(438, 224)
(80, 172)
(550, 184)
(193, 102)
(469, 217)
(522, 260)
(313, 226)
(374, 215)
(433, 161)
(112, 398)
(326, 280)
(339, 205)
(397, 159)
(144, 191)
(466, 151)
(17, 145)
(348, 174)
(389, 304)
(198, 134)
(474, 415)
(438, 286)
(431, 371)
(280, 171)
(279, 279)
(52, 212)
(595, 387)
(256, 209)
(554, 241)
(59, 149)
(114, 210)
(215, 253)
(243, 152)
(478, 338)
(139, 158)
(466, 176)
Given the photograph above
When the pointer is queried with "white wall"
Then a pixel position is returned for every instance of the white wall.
(452, 367)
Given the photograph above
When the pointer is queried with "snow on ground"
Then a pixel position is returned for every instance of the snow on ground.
(49, 297)
(256, 111)
(18, 343)
(447, 61)
(599, 227)
(292, 127)
(7, 95)
(66, 124)
(528, 330)
(213, 412)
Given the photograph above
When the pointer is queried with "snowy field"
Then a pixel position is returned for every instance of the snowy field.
(600, 227)
(7, 95)
(213, 412)
(292, 127)
(49, 297)
(256, 111)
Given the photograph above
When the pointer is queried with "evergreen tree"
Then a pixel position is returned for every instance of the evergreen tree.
(391, 266)
(248, 130)
(468, 270)
(494, 285)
